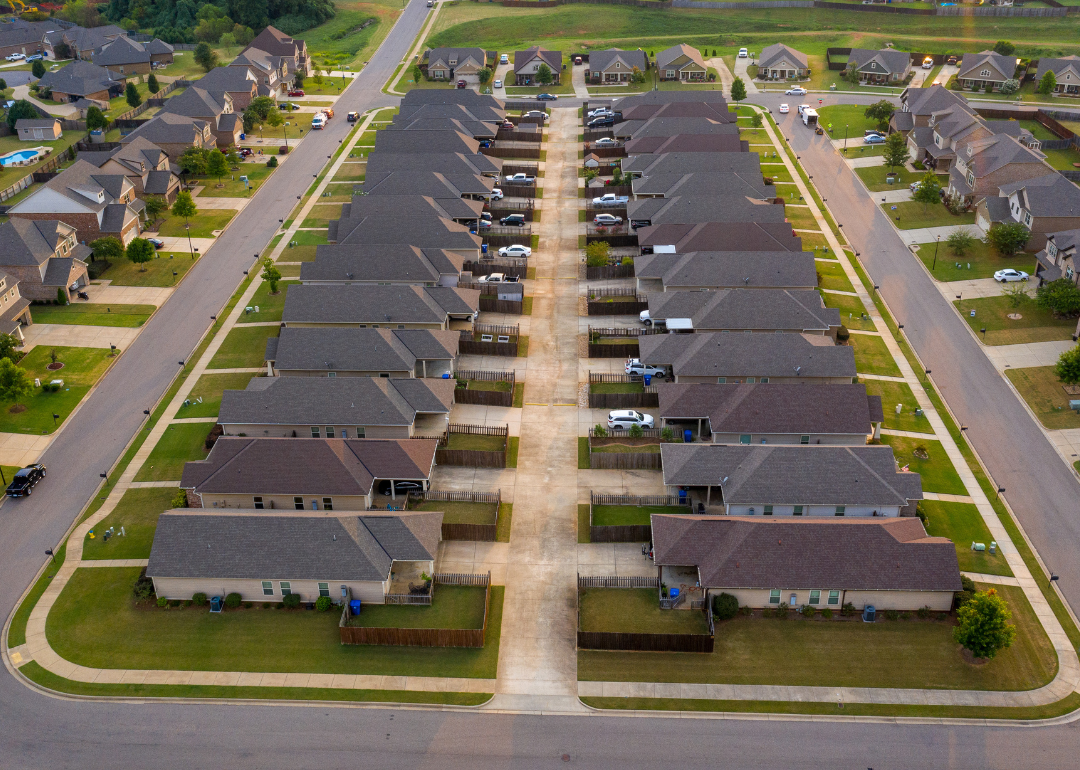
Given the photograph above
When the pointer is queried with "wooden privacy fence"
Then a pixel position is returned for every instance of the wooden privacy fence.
(473, 458)
(629, 533)
(532, 169)
(506, 135)
(618, 305)
(462, 531)
(519, 190)
(605, 272)
(617, 581)
(613, 350)
(522, 153)
(491, 304)
(624, 461)
(486, 397)
(514, 269)
(624, 400)
(498, 210)
(606, 640)
(471, 347)
(639, 500)
(607, 152)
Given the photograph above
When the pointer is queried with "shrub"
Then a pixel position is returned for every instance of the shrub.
(1067, 367)
(232, 601)
(848, 609)
(781, 610)
(808, 611)
(962, 598)
(724, 607)
(599, 431)
(323, 603)
(268, 605)
(842, 334)
(1008, 238)
(1010, 86)
(905, 616)
(162, 601)
(746, 611)
(983, 626)
(61, 295)
(667, 434)
(179, 499)
(1060, 296)
(292, 601)
(248, 605)
(199, 599)
(272, 163)
(143, 588)
(597, 254)
(635, 431)
(283, 150)
(892, 615)
(174, 602)
(967, 583)
(923, 613)
(826, 613)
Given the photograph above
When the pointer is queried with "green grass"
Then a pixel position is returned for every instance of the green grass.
(341, 39)
(157, 272)
(321, 214)
(476, 443)
(583, 454)
(849, 115)
(872, 356)
(93, 314)
(270, 306)
(183, 66)
(202, 224)
(862, 151)
(984, 261)
(893, 393)
(626, 449)
(209, 388)
(634, 611)
(962, 523)
(1062, 160)
(462, 512)
(874, 178)
(180, 443)
(83, 367)
(1044, 395)
(513, 443)
(502, 526)
(800, 216)
(96, 623)
(9, 176)
(833, 277)
(519, 395)
(776, 172)
(451, 607)
(617, 387)
(851, 309)
(243, 348)
(800, 652)
(616, 515)
(913, 216)
(584, 534)
(137, 512)
(937, 472)
(1034, 325)
(351, 171)
(255, 171)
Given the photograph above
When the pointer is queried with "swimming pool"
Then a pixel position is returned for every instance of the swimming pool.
(21, 156)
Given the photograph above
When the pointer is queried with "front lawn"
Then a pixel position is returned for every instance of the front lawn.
(846, 116)
(96, 623)
(618, 515)
(872, 356)
(913, 216)
(137, 513)
(351, 171)
(851, 309)
(874, 177)
(800, 217)
(209, 388)
(93, 314)
(801, 652)
(451, 607)
(321, 214)
(256, 172)
(461, 512)
(863, 151)
(181, 443)
(244, 348)
(833, 277)
(165, 269)
(304, 249)
(962, 523)
(937, 472)
(980, 261)
(1045, 396)
(202, 224)
(893, 393)
(83, 367)
(634, 611)
(270, 306)
(1034, 324)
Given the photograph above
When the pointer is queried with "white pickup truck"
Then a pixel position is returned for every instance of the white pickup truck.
(611, 199)
(498, 278)
(519, 178)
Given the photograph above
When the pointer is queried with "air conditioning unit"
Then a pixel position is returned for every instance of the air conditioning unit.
(869, 614)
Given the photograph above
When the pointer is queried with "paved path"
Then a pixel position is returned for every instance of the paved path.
(105, 292)
(60, 110)
(740, 72)
(78, 336)
(1028, 354)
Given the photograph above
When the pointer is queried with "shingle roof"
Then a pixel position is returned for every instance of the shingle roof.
(741, 201)
(671, 126)
(985, 156)
(1051, 195)
(778, 52)
(972, 63)
(465, 112)
(475, 128)
(121, 52)
(888, 60)
(714, 236)
(729, 269)
(443, 56)
(680, 163)
(552, 58)
(713, 110)
(749, 355)
(275, 41)
(167, 128)
(30, 242)
(700, 144)
(444, 163)
(425, 142)
(361, 350)
(1061, 67)
(158, 46)
(365, 303)
(80, 78)
(195, 102)
(84, 184)
(466, 96)
(227, 79)
(35, 123)
(671, 54)
(665, 97)
(399, 263)
(755, 309)
(847, 554)
(708, 184)
(925, 101)
(599, 61)
(432, 184)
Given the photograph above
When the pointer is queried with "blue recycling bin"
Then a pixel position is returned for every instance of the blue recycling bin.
(446, 375)
(682, 495)
(688, 435)
(674, 593)
(243, 136)
(648, 379)
(354, 607)
(483, 248)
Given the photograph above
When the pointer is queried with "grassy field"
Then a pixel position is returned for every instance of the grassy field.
(477, 443)
(180, 444)
(93, 314)
(270, 306)
(202, 224)
(95, 622)
(984, 261)
(634, 611)
(1034, 325)
(893, 393)
(157, 272)
(872, 356)
(341, 38)
(137, 513)
(82, 368)
(794, 651)
(451, 607)
(937, 472)
(243, 348)
(961, 523)
(1044, 395)
(209, 388)
(914, 215)
(615, 515)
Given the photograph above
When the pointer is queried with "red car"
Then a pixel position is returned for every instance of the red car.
(462, 84)
(297, 92)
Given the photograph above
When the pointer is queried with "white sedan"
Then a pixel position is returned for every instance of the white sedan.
(498, 84)
(796, 91)
(1008, 274)
(784, 109)
(515, 251)
(605, 141)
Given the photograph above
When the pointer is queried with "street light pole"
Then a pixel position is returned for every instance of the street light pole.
(937, 242)
(285, 133)
(845, 137)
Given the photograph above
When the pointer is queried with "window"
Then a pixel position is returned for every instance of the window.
(984, 73)
(258, 503)
(298, 503)
(767, 511)
(765, 380)
(331, 374)
(721, 380)
(324, 589)
(815, 597)
(840, 510)
(314, 431)
(774, 596)
(834, 597)
(750, 380)
(358, 432)
(286, 587)
(328, 503)
(744, 438)
(384, 375)
(804, 439)
(329, 431)
(797, 511)
(669, 73)
(268, 588)
(1027, 219)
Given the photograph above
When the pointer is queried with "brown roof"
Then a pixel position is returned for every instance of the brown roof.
(844, 553)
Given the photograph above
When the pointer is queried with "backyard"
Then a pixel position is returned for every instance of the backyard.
(980, 261)
(93, 314)
(1032, 324)
(634, 611)
(962, 523)
(615, 515)
(82, 368)
(451, 607)
(181, 443)
(137, 514)
(1044, 394)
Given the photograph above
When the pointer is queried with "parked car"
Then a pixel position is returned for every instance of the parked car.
(246, 152)
(796, 91)
(743, 54)
(928, 63)
(158, 243)
(484, 223)
(513, 220)
(297, 92)
(400, 487)
(353, 116)
(646, 319)
(519, 178)
(517, 250)
(874, 139)
(504, 59)
(462, 84)
(15, 57)
(535, 114)
(784, 109)
(283, 106)
(606, 141)
(498, 278)
(872, 132)
(546, 97)
(1008, 275)
(624, 419)
(951, 60)
(634, 366)
(25, 479)
(607, 220)
(498, 84)
(601, 121)
(496, 194)
(611, 199)
(430, 3)
(485, 215)
(600, 111)
(577, 60)
(35, 57)
(318, 122)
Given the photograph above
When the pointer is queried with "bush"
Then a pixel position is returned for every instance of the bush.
(599, 431)
(199, 599)
(842, 334)
(61, 295)
(162, 602)
(143, 588)
(724, 607)
(923, 613)
(597, 254)
(746, 611)
(892, 615)
(292, 601)
(1067, 367)
(272, 163)
(826, 613)
(967, 583)
(1060, 296)
(232, 601)
(848, 609)
(667, 434)
(635, 431)
(174, 602)
(323, 603)
(179, 499)
(808, 611)
(781, 610)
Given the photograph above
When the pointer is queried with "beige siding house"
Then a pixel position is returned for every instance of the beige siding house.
(681, 62)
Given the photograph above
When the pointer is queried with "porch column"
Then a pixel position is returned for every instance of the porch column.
(423, 363)
(708, 495)
(699, 429)
(393, 490)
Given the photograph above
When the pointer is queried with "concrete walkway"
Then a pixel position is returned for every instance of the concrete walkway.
(928, 234)
(77, 336)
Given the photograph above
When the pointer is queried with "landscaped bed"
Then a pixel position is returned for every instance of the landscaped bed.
(137, 514)
(927, 458)
(634, 611)
(963, 524)
(1044, 394)
(1034, 324)
(180, 443)
(83, 367)
(93, 314)
(622, 515)
(451, 607)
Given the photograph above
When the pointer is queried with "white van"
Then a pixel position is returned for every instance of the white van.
(809, 116)
(319, 121)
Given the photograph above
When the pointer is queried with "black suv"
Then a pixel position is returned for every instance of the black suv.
(601, 122)
(513, 220)
(25, 480)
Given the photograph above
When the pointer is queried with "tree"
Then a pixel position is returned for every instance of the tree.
(185, 207)
(154, 206)
(1061, 297)
(896, 150)
(755, 120)
(21, 109)
(1047, 84)
(62, 51)
(417, 73)
(3, 84)
(131, 94)
(928, 191)
(851, 75)
(205, 56)
(274, 119)
(15, 384)
(1009, 238)
(228, 40)
(61, 296)
(881, 112)
(243, 35)
(1067, 368)
(152, 85)
(107, 248)
(270, 274)
(1004, 47)
(1010, 86)
(483, 74)
(95, 118)
(37, 69)
(140, 251)
(8, 343)
(983, 626)
(193, 161)
(960, 241)
(82, 13)
(216, 164)
(543, 75)
(738, 90)
(597, 254)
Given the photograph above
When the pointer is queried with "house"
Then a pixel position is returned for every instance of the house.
(81, 79)
(359, 352)
(794, 480)
(265, 558)
(917, 105)
(273, 74)
(1044, 204)
(429, 184)
(614, 65)
(889, 564)
(948, 130)
(716, 236)
(673, 125)
(713, 204)
(14, 308)
(456, 64)
(680, 164)
(986, 70)
(316, 473)
(238, 82)
(144, 164)
(25, 37)
(734, 358)
(38, 129)
(1066, 74)
(448, 163)
(161, 53)
(376, 220)
(701, 144)
(276, 43)
(527, 65)
(94, 203)
(127, 56)
(345, 407)
(711, 96)
(446, 207)
(779, 62)
(477, 129)
(398, 264)
(82, 41)
(1058, 258)
(731, 174)
(755, 414)
(216, 109)
(750, 270)
(713, 109)
(681, 62)
(474, 100)
(362, 305)
(173, 134)
(983, 166)
(425, 142)
(39, 257)
(468, 113)
(799, 311)
(880, 67)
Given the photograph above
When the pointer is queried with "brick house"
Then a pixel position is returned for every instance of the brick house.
(41, 255)
(173, 134)
(277, 43)
(82, 79)
(14, 308)
(985, 165)
(1058, 257)
(123, 55)
(238, 82)
(82, 41)
(456, 63)
(144, 164)
(25, 37)
(274, 74)
(214, 108)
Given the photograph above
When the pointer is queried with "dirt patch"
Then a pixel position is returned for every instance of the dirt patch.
(971, 659)
(922, 454)
(55, 366)
(18, 408)
(1014, 316)
(1072, 390)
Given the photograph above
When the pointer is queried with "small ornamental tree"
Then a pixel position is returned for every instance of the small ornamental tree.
(1060, 297)
(270, 274)
(95, 118)
(274, 119)
(61, 296)
(1010, 86)
(1008, 238)
(928, 191)
(37, 69)
(8, 344)
(896, 150)
(3, 84)
(140, 251)
(851, 75)
(193, 161)
(1004, 47)
(543, 75)
(1067, 367)
(62, 51)
(107, 248)
(205, 56)
(880, 112)
(738, 90)
(131, 95)
(597, 254)
(983, 626)
(960, 242)
(1047, 84)
(216, 164)
(154, 206)
(152, 84)
(483, 74)
(15, 384)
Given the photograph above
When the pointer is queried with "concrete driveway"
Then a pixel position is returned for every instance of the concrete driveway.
(740, 72)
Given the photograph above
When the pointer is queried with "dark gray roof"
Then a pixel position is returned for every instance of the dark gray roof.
(716, 236)
(672, 163)
(849, 554)
(730, 269)
(399, 263)
(552, 58)
(335, 401)
(1051, 195)
(466, 96)
(778, 52)
(773, 408)
(708, 202)
(903, 121)
(715, 96)
(253, 545)
(167, 128)
(158, 46)
(92, 38)
(998, 208)
(599, 61)
(474, 128)
(1066, 69)
(116, 217)
(972, 65)
(887, 60)
(443, 163)
(360, 350)
(158, 182)
(196, 102)
(697, 108)
(30, 242)
(463, 112)
(432, 184)
(926, 101)
(80, 78)
(665, 126)
(425, 142)
(790, 474)
(121, 52)
(739, 309)
(423, 228)
(418, 207)
(707, 184)
(58, 272)
(673, 53)
(36, 123)
(984, 156)
(86, 186)
(227, 79)
(364, 303)
(700, 144)
(749, 355)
